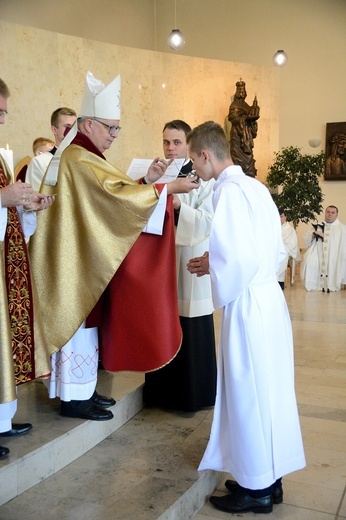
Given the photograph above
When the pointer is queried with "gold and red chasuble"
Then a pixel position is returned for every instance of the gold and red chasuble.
(96, 220)
(19, 295)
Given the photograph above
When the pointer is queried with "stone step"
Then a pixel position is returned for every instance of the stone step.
(142, 464)
(56, 441)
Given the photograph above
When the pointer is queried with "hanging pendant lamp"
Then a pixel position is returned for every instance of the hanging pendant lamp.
(176, 39)
(280, 58)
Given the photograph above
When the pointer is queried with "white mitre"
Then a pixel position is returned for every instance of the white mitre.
(101, 101)
(98, 101)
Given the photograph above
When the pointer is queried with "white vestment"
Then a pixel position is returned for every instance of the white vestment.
(192, 240)
(74, 367)
(36, 170)
(7, 411)
(324, 263)
(255, 433)
(290, 240)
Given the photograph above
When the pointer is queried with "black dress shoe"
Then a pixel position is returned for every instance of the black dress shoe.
(242, 502)
(92, 413)
(4, 452)
(278, 493)
(17, 429)
(101, 400)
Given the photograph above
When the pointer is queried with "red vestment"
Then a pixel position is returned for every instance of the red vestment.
(140, 328)
(137, 314)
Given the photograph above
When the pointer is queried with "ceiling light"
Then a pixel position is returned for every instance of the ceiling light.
(280, 58)
(176, 39)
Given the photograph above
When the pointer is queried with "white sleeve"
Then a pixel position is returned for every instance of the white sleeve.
(3, 221)
(233, 258)
(307, 238)
(156, 220)
(36, 170)
(195, 216)
(290, 240)
(28, 220)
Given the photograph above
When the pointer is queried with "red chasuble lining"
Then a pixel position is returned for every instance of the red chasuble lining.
(19, 295)
(138, 315)
(140, 327)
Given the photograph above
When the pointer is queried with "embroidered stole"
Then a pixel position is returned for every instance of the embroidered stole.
(19, 295)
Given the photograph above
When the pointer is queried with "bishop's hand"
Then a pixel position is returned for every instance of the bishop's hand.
(157, 168)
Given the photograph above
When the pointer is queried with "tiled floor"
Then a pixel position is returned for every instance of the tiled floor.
(318, 491)
(151, 461)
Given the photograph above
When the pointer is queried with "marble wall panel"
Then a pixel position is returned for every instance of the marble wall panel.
(45, 70)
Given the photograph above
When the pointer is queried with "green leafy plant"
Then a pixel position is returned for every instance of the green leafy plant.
(296, 175)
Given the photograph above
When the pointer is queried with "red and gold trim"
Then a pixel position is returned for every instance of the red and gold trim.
(20, 302)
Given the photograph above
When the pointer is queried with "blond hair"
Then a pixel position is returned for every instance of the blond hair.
(41, 143)
(209, 136)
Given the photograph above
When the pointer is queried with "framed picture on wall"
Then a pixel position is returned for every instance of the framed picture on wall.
(335, 169)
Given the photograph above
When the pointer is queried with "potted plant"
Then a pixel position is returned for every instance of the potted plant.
(296, 175)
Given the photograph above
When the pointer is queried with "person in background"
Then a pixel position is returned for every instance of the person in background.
(255, 434)
(39, 146)
(42, 145)
(188, 383)
(61, 119)
(99, 217)
(23, 351)
(324, 263)
(290, 240)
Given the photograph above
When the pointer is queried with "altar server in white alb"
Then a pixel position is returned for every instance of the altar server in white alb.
(255, 433)
(61, 119)
(324, 263)
(290, 240)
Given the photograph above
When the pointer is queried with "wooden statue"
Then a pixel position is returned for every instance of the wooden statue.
(243, 118)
